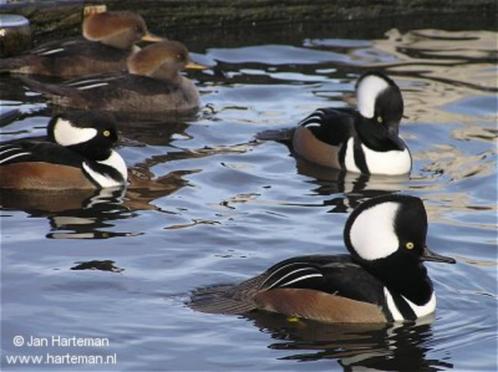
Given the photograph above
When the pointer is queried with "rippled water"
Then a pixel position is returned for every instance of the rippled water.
(222, 207)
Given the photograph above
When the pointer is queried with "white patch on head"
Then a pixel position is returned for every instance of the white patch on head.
(349, 162)
(66, 134)
(372, 233)
(367, 92)
(390, 163)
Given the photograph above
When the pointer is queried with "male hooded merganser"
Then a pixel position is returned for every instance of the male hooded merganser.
(383, 280)
(77, 155)
(363, 141)
(152, 85)
(109, 39)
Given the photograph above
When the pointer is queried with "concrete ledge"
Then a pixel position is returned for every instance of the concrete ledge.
(64, 16)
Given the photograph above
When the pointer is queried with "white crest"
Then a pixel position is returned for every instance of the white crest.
(372, 234)
(66, 134)
(367, 92)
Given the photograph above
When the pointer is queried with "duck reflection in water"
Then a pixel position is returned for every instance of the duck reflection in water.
(90, 214)
(74, 214)
(397, 347)
(348, 189)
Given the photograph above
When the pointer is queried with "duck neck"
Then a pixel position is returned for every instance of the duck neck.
(410, 280)
(167, 74)
(91, 151)
(376, 137)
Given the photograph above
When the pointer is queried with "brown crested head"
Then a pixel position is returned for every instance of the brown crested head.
(120, 29)
(159, 60)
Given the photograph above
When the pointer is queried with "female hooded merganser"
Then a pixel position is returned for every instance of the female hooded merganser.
(109, 39)
(77, 155)
(383, 280)
(363, 141)
(152, 85)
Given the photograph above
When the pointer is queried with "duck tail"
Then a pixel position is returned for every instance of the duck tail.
(218, 300)
(49, 90)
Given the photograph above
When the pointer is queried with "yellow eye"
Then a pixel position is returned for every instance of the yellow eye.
(106, 133)
(409, 245)
(379, 119)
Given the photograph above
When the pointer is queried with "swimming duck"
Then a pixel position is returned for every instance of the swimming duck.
(364, 140)
(77, 154)
(152, 85)
(382, 280)
(109, 39)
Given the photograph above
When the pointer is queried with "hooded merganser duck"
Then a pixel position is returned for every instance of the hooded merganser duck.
(152, 85)
(109, 39)
(77, 155)
(382, 280)
(363, 141)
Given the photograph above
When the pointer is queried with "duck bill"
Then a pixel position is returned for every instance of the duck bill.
(393, 130)
(429, 255)
(195, 66)
(151, 38)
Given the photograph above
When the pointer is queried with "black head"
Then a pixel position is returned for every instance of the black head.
(380, 104)
(391, 226)
(387, 236)
(91, 134)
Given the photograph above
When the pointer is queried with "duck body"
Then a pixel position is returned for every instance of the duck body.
(70, 58)
(362, 141)
(383, 280)
(73, 158)
(339, 138)
(108, 40)
(122, 93)
(152, 85)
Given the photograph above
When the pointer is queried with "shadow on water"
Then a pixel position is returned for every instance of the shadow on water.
(377, 346)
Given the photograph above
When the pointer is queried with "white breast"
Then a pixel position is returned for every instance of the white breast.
(389, 162)
(420, 311)
(349, 157)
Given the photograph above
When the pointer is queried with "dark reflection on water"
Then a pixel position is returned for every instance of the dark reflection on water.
(106, 265)
(377, 346)
(210, 202)
(76, 214)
